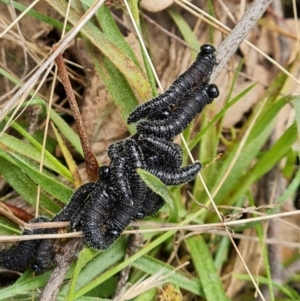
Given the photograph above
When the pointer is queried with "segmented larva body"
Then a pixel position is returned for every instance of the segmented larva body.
(46, 250)
(182, 114)
(165, 149)
(198, 74)
(153, 202)
(21, 255)
(171, 176)
(97, 213)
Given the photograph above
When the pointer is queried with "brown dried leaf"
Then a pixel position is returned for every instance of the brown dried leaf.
(101, 118)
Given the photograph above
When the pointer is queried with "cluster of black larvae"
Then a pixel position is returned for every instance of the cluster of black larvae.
(102, 210)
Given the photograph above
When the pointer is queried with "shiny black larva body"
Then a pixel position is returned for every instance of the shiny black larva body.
(137, 154)
(181, 115)
(102, 210)
(45, 251)
(21, 255)
(198, 74)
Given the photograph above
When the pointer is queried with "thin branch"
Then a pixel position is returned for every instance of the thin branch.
(230, 45)
(134, 244)
(162, 228)
(63, 259)
(90, 159)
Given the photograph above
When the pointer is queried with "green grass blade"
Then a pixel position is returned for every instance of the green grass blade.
(206, 269)
(218, 116)
(267, 161)
(260, 234)
(296, 104)
(186, 31)
(116, 84)
(68, 157)
(150, 295)
(65, 129)
(257, 138)
(7, 230)
(241, 166)
(222, 253)
(38, 16)
(133, 73)
(84, 257)
(26, 286)
(47, 183)
(23, 185)
(161, 189)
(291, 189)
(136, 14)
(288, 291)
(7, 227)
(277, 151)
(86, 267)
(268, 114)
(110, 28)
(151, 266)
(34, 152)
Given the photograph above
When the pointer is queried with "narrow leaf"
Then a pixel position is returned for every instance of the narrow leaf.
(133, 73)
(30, 151)
(88, 273)
(206, 270)
(116, 84)
(296, 104)
(110, 28)
(65, 129)
(186, 31)
(26, 286)
(38, 16)
(219, 116)
(24, 186)
(161, 189)
(49, 184)
(85, 256)
(68, 157)
(150, 265)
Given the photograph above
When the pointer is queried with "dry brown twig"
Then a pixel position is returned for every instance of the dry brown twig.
(134, 244)
(63, 259)
(162, 228)
(92, 165)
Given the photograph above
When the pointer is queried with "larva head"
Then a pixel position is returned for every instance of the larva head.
(160, 115)
(104, 172)
(206, 48)
(164, 114)
(208, 52)
(212, 91)
(37, 270)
